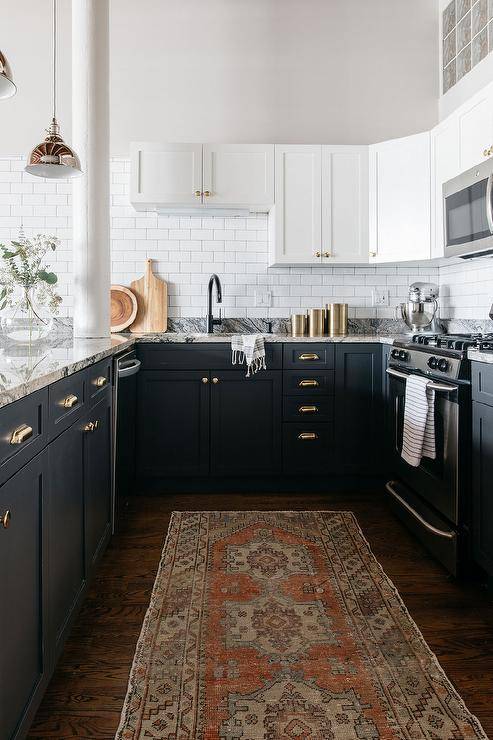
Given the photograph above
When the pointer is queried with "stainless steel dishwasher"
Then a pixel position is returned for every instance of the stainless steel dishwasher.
(126, 367)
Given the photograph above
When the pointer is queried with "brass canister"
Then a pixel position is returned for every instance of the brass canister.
(298, 325)
(338, 319)
(327, 320)
(316, 322)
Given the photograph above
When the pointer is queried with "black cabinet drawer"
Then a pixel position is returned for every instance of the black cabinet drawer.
(66, 402)
(199, 356)
(307, 355)
(98, 379)
(308, 448)
(482, 382)
(308, 383)
(308, 409)
(23, 434)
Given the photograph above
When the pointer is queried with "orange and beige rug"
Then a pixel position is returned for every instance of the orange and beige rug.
(282, 626)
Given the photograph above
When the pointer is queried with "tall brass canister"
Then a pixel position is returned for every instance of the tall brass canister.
(337, 319)
(316, 322)
(298, 324)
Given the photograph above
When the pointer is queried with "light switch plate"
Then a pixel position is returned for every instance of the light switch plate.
(380, 297)
(263, 299)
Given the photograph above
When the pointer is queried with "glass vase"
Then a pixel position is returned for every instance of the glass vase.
(27, 322)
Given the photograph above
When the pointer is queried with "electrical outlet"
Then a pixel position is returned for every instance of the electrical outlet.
(380, 297)
(263, 299)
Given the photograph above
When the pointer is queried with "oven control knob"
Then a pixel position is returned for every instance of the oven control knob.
(395, 354)
(403, 355)
(443, 365)
(433, 363)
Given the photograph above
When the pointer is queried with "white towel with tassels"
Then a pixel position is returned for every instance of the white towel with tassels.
(418, 439)
(249, 348)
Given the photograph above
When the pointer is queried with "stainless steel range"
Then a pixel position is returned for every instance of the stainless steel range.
(434, 498)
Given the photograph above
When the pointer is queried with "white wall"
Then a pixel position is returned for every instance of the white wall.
(238, 70)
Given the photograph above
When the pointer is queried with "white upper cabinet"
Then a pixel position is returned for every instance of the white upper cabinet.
(297, 220)
(204, 175)
(165, 174)
(344, 204)
(237, 174)
(444, 165)
(475, 121)
(400, 199)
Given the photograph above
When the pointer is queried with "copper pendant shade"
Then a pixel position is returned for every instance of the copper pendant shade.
(53, 158)
(7, 86)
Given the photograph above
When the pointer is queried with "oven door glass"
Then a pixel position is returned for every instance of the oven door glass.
(466, 216)
(435, 480)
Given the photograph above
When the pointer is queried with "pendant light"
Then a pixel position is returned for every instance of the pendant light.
(53, 158)
(7, 87)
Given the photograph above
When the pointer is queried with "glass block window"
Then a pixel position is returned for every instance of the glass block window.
(467, 37)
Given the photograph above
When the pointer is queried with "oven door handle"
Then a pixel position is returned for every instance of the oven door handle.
(414, 513)
(489, 204)
(433, 386)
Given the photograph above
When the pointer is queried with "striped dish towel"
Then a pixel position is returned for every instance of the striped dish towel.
(249, 348)
(418, 439)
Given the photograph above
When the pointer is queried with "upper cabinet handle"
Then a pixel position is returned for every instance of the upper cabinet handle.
(318, 254)
(327, 254)
(488, 152)
(20, 434)
(198, 193)
(70, 401)
(309, 356)
(207, 193)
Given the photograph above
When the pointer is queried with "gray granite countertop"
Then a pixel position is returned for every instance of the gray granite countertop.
(476, 356)
(24, 370)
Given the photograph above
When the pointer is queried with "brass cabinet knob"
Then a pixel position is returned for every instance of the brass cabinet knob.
(101, 381)
(309, 356)
(488, 152)
(70, 401)
(307, 436)
(318, 254)
(6, 519)
(205, 380)
(91, 426)
(327, 254)
(215, 381)
(308, 384)
(21, 434)
(308, 410)
(373, 254)
(198, 193)
(207, 193)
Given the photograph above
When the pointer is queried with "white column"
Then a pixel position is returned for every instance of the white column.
(90, 137)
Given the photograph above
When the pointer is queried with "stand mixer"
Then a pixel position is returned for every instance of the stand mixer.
(420, 312)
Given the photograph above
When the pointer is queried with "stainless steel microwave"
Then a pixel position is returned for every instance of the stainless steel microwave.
(468, 213)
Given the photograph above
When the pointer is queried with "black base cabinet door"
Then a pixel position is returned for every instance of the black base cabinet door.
(482, 485)
(23, 652)
(359, 408)
(173, 422)
(66, 520)
(245, 423)
(97, 479)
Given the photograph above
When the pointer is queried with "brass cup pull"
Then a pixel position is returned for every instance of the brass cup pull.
(91, 426)
(6, 519)
(198, 193)
(205, 380)
(101, 381)
(309, 356)
(308, 384)
(21, 434)
(307, 436)
(215, 381)
(308, 410)
(70, 401)
(207, 193)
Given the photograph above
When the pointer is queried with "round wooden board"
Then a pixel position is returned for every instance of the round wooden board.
(123, 308)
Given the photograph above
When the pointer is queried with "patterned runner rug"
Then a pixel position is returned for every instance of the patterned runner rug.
(282, 626)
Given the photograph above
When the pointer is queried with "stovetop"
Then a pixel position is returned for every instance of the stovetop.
(460, 342)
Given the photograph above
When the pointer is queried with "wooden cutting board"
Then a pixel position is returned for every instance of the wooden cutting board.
(152, 301)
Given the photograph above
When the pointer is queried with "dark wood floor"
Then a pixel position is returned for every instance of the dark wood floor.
(86, 693)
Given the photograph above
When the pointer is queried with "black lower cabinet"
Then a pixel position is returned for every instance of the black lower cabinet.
(308, 449)
(97, 434)
(359, 418)
(66, 523)
(173, 423)
(482, 485)
(245, 423)
(24, 654)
